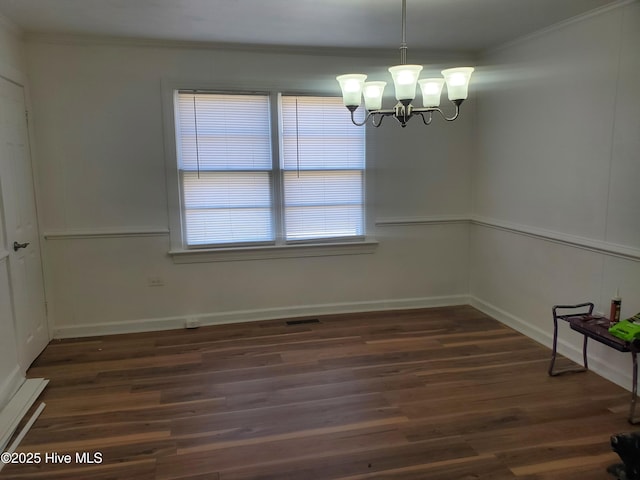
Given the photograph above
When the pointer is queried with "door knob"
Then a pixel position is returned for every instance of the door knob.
(17, 246)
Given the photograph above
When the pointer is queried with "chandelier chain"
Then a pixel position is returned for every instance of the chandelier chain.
(403, 45)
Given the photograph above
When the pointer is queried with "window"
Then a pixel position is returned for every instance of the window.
(322, 169)
(268, 169)
(225, 168)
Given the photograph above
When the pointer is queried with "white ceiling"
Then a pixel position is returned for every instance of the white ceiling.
(431, 24)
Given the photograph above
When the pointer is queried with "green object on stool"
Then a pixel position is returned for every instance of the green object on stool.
(626, 330)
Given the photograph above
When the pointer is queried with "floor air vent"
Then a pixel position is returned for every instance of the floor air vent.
(303, 322)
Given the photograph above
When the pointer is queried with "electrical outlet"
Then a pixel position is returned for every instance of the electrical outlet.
(155, 282)
(191, 322)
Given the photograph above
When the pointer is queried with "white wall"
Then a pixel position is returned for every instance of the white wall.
(11, 68)
(12, 55)
(556, 181)
(98, 122)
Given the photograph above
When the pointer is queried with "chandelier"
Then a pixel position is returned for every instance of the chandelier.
(405, 78)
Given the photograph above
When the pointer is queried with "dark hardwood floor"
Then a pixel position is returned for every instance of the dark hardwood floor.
(438, 394)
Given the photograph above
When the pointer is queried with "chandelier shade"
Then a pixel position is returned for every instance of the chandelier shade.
(457, 80)
(431, 89)
(351, 86)
(405, 80)
(373, 92)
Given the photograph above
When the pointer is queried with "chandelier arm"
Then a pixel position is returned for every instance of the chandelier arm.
(373, 122)
(455, 115)
(426, 122)
(353, 120)
(371, 114)
(436, 109)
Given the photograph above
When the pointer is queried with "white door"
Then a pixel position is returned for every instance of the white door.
(21, 228)
(11, 375)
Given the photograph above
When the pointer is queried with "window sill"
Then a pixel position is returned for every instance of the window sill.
(273, 251)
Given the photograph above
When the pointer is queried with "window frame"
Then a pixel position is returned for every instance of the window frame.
(180, 252)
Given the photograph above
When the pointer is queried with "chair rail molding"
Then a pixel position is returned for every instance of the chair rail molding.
(428, 220)
(598, 246)
(115, 232)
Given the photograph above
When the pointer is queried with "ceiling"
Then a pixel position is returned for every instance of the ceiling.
(469, 25)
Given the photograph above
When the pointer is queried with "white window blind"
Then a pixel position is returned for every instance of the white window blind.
(224, 150)
(323, 162)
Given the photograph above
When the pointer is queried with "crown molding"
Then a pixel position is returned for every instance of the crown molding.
(557, 26)
(106, 40)
(11, 27)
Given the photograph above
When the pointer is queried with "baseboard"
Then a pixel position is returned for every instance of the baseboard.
(545, 338)
(240, 316)
(516, 323)
(10, 386)
(17, 408)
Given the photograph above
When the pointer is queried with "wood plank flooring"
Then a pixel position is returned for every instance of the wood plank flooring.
(438, 394)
